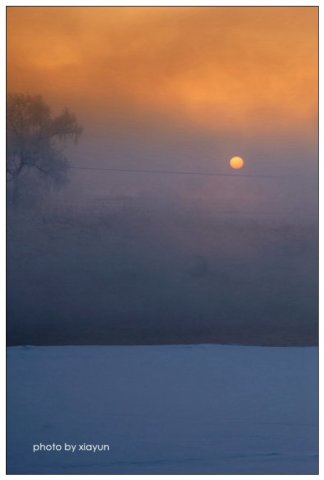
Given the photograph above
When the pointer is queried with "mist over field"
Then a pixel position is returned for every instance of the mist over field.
(148, 270)
(155, 240)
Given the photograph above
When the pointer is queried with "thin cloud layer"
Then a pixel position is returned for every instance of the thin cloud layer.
(241, 68)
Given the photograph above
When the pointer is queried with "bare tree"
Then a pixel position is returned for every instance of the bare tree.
(36, 140)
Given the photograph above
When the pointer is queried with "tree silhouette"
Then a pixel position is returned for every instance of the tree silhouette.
(36, 140)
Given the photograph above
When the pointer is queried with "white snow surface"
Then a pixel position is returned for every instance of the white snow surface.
(196, 409)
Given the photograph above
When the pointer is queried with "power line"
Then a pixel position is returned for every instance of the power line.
(173, 172)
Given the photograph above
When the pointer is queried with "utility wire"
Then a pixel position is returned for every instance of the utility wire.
(173, 172)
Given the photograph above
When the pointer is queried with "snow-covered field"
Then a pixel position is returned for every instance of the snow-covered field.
(164, 409)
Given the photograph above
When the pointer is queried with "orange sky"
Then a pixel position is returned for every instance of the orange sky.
(222, 67)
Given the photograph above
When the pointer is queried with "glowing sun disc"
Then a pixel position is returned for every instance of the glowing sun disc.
(236, 163)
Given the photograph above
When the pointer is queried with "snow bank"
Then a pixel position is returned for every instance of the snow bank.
(163, 409)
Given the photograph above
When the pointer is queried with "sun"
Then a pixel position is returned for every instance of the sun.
(236, 163)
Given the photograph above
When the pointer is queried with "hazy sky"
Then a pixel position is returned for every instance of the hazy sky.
(177, 89)
(181, 88)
